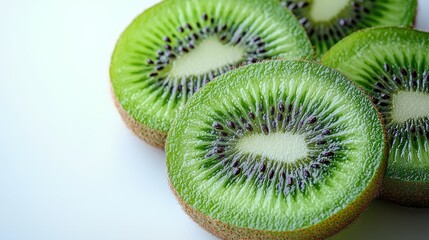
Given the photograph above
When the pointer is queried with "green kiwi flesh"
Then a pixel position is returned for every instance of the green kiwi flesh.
(173, 49)
(275, 150)
(328, 21)
(392, 65)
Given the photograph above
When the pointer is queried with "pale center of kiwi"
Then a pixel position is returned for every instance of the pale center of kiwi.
(410, 105)
(325, 10)
(208, 55)
(284, 147)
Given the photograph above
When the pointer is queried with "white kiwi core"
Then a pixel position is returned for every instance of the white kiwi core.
(283, 147)
(325, 10)
(208, 55)
(410, 105)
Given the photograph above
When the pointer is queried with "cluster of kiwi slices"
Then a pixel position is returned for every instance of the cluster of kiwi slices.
(283, 119)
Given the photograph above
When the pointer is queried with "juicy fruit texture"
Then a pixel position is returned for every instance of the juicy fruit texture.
(236, 189)
(173, 49)
(392, 66)
(328, 21)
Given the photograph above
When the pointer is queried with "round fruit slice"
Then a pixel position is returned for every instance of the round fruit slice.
(276, 149)
(173, 49)
(328, 21)
(392, 66)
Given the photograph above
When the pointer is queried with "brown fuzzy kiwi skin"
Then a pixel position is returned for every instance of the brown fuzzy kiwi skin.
(145, 133)
(322, 230)
(409, 194)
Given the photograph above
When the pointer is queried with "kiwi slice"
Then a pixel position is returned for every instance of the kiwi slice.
(328, 21)
(392, 65)
(174, 48)
(275, 150)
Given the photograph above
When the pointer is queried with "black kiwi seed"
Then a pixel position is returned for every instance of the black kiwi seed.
(306, 173)
(326, 132)
(217, 126)
(324, 161)
(265, 117)
(159, 68)
(414, 74)
(303, 21)
(205, 17)
(315, 165)
(273, 124)
(263, 168)
(281, 107)
(312, 119)
(230, 124)
(328, 154)
(302, 4)
(279, 117)
(271, 174)
(385, 96)
(220, 149)
(386, 67)
(248, 126)
(383, 104)
(272, 109)
(265, 128)
(251, 115)
(397, 80)
(154, 74)
(237, 171)
(292, 6)
(380, 85)
(404, 72)
(167, 39)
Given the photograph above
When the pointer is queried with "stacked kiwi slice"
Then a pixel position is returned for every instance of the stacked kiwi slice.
(328, 21)
(277, 150)
(176, 47)
(392, 65)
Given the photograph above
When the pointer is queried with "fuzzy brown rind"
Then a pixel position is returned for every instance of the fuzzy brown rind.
(322, 230)
(145, 133)
(410, 194)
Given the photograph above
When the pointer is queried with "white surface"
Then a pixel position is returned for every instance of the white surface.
(69, 168)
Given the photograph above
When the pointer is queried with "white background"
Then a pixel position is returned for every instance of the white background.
(69, 168)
